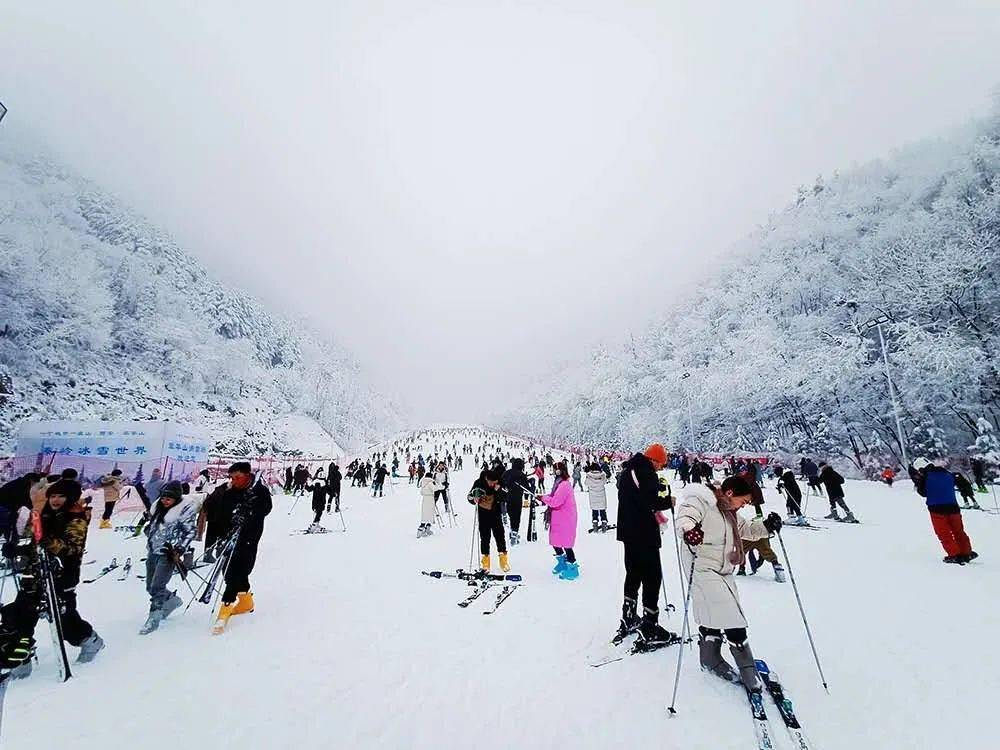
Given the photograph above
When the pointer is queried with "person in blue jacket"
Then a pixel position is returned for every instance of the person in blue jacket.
(937, 486)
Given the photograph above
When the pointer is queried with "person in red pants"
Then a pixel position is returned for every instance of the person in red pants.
(937, 486)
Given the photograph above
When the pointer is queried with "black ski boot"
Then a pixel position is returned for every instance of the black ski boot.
(743, 657)
(629, 622)
(710, 653)
(651, 633)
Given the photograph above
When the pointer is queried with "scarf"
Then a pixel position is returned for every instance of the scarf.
(736, 551)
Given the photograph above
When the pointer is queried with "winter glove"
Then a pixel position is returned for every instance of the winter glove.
(694, 536)
(660, 518)
(773, 522)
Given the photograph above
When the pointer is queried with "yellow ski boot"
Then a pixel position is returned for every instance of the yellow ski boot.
(244, 603)
(504, 565)
(485, 563)
(225, 612)
(105, 523)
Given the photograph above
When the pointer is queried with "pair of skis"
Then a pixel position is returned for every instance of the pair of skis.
(483, 582)
(602, 529)
(113, 565)
(762, 726)
(639, 646)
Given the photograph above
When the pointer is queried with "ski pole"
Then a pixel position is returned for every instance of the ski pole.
(802, 611)
(297, 498)
(680, 565)
(472, 547)
(686, 632)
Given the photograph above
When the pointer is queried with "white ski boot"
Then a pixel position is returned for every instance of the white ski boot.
(779, 573)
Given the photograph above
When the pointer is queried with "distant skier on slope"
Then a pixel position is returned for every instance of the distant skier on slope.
(708, 522)
(597, 493)
(834, 484)
(428, 491)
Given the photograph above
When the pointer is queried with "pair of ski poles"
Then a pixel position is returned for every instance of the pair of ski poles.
(687, 600)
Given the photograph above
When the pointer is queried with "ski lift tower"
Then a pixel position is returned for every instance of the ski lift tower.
(877, 323)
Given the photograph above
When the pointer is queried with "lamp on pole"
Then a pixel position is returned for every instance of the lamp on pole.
(694, 448)
(876, 323)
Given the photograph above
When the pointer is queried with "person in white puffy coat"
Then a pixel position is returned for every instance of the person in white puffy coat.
(709, 523)
(428, 489)
(597, 492)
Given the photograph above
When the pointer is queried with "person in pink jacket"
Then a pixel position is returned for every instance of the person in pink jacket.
(562, 527)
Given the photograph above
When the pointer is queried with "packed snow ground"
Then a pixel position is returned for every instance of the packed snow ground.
(351, 647)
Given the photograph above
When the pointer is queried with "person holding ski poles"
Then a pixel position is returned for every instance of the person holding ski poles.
(713, 533)
(173, 523)
(239, 509)
(640, 497)
(937, 486)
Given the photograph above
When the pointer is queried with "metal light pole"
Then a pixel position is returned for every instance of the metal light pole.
(877, 323)
(690, 417)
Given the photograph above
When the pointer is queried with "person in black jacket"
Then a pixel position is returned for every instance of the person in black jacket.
(485, 494)
(964, 487)
(640, 496)
(834, 484)
(512, 481)
(793, 495)
(239, 509)
(333, 480)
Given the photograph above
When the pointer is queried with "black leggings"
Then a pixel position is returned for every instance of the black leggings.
(568, 551)
(490, 522)
(599, 515)
(642, 567)
(735, 636)
(109, 508)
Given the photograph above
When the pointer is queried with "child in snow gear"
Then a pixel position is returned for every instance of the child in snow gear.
(112, 486)
(708, 522)
(485, 494)
(598, 496)
(937, 486)
(639, 499)
(241, 506)
(562, 527)
(172, 526)
(834, 484)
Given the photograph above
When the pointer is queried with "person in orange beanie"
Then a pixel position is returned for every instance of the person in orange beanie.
(640, 496)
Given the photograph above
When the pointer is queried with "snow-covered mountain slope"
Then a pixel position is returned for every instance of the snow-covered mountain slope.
(776, 350)
(350, 646)
(104, 316)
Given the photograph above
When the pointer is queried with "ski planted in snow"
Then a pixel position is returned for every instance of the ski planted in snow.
(52, 612)
(784, 705)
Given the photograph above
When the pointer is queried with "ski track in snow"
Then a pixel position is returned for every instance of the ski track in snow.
(351, 647)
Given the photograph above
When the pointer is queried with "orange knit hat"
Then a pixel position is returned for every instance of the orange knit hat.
(657, 453)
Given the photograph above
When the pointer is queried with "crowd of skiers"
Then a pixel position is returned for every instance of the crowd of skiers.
(50, 515)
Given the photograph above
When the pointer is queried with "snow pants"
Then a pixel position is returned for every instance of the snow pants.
(514, 514)
(642, 567)
(109, 508)
(447, 500)
(239, 569)
(159, 571)
(490, 522)
(597, 516)
(577, 483)
(763, 547)
(951, 532)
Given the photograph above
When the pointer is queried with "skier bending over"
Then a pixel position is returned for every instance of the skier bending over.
(485, 494)
(562, 527)
(834, 484)
(172, 526)
(938, 487)
(707, 520)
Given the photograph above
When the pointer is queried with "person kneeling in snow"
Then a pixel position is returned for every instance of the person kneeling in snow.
(708, 522)
(172, 526)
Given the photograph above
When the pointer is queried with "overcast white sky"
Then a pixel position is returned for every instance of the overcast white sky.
(466, 192)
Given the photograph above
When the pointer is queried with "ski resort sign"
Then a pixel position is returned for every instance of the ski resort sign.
(96, 448)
